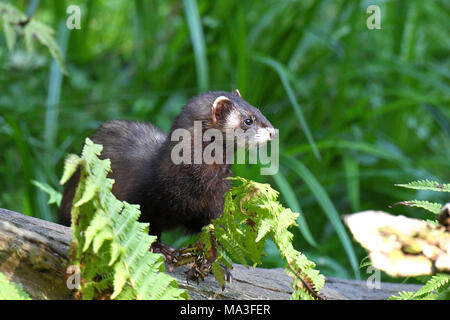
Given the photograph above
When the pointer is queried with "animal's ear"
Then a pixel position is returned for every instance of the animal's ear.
(220, 106)
(237, 93)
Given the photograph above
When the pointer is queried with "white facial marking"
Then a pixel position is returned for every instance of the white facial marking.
(272, 132)
(263, 134)
(233, 120)
(253, 138)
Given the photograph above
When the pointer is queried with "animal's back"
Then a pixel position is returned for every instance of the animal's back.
(130, 146)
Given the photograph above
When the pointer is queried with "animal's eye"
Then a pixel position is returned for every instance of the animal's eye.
(248, 121)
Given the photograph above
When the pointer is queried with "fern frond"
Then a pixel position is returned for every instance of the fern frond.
(403, 295)
(252, 215)
(426, 185)
(435, 285)
(432, 207)
(54, 196)
(365, 262)
(109, 245)
(12, 18)
(10, 290)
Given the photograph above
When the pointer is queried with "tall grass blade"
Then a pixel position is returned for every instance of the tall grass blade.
(54, 91)
(198, 43)
(25, 162)
(327, 206)
(290, 92)
(351, 169)
(359, 146)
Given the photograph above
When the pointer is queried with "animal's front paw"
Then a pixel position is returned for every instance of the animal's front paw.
(167, 251)
(198, 271)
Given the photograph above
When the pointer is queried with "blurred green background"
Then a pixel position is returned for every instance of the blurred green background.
(358, 110)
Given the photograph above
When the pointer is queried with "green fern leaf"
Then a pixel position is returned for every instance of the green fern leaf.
(403, 295)
(120, 279)
(252, 215)
(109, 245)
(99, 222)
(432, 207)
(71, 164)
(54, 196)
(10, 16)
(10, 290)
(217, 271)
(426, 185)
(365, 262)
(436, 284)
(46, 36)
(11, 19)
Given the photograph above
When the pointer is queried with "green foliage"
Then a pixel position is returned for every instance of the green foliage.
(108, 244)
(293, 203)
(11, 291)
(295, 105)
(432, 207)
(437, 285)
(198, 43)
(54, 196)
(15, 23)
(112, 249)
(365, 262)
(252, 215)
(327, 206)
(426, 185)
(376, 97)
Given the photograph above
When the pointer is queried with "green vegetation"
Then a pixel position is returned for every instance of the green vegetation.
(109, 246)
(433, 207)
(10, 290)
(111, 249)
(438, 285)
(251, 216)
(358, 110)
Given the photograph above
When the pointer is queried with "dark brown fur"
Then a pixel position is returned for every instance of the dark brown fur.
(170, 195)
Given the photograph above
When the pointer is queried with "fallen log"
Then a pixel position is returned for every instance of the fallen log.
(34, 253)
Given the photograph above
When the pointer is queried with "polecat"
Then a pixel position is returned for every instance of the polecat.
(170, 195)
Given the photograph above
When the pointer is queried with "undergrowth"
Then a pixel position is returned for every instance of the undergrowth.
(251, 216)
(109, 246)
(436, 286)
(10, 290)
(112, 249)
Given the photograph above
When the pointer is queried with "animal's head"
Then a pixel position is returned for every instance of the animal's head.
(228, 112)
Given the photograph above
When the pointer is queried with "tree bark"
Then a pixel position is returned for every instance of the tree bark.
(34, 253)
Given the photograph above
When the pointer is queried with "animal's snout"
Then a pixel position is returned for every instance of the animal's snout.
(273, 133)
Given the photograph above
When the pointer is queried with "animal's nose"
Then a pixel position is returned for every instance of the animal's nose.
(273, 133)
